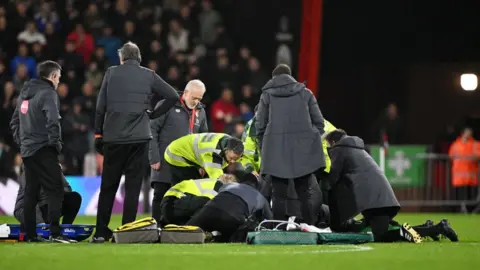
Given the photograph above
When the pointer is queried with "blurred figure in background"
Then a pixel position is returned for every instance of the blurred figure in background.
(223, 111)
(465, 154)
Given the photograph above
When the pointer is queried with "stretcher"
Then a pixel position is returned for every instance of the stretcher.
(275, 236)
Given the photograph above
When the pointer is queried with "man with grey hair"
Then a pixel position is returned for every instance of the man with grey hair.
(122, 132)
(187, 116)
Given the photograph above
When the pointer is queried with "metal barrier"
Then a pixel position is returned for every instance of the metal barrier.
(433, 184)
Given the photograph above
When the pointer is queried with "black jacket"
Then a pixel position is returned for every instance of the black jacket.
(289, 128)
(169, 127)
(357, 182)
(36, 120)
(123, 101)
(42, 199)
(254, 203)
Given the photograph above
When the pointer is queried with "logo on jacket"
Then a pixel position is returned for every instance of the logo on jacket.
(24, 107)
(177, 110)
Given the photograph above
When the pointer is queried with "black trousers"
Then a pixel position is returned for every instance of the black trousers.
(213, 219)
(43, 170)
(159, 190)
(132, 160)
(183, 173)
(70, 207)
(305, 194)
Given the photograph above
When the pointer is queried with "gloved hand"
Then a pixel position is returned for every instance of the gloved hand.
(99, 144)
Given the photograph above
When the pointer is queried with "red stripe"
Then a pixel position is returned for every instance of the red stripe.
(192, 117)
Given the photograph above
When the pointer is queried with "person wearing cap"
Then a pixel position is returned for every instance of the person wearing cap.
(193, 155)
(234, 205)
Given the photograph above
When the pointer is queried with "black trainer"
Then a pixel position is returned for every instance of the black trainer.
(447, 230)
(60, 239)
(430, 223)
(37, 239)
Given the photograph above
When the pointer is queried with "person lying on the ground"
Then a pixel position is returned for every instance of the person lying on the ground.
(235, 204)
(184, 199)
(358, 185)
(70, 205)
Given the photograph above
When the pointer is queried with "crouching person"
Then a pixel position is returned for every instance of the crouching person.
(184, 199)
(235, 204)
(70, 205)
(358, 185)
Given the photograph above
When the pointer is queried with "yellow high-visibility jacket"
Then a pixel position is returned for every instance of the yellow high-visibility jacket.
(198, 150)
(251, 155)
(328, 128)
(199, 188)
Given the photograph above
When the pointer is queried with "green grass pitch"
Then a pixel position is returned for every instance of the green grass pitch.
(405, 256)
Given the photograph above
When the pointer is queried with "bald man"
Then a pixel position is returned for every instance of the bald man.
(186, 117)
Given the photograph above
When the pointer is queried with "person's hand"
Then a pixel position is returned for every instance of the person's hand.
(202, 172)
(99, 144)
(155, 166)
(228, 118)
(219, 115)
(255, 173)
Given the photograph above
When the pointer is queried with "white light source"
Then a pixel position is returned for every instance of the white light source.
(469, 81)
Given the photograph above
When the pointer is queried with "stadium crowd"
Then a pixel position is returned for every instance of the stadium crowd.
(180, 39)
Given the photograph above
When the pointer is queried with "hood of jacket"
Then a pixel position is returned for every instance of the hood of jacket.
(283, 86)
(35, 86)
(350, 141)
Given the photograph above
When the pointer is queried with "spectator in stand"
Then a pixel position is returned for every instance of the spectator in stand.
(88, 100)
(21, 76)
(38, 53)
(187, 21)
(256, 76)
(84, 43)
(209, 19)
(157, 33)
(100, 58)
(47, 16)
(157, 53)
(389, 126)
(31, 35)
(120, 14)
(20, 17)
(178, 38)
(465, 154)
(54, 41)
(224, 73)
(248, 98)
(70, 60)
(74, 83)
(94, 20)
(5, 34)
(76, 126)
(111, 44)
(7, 103)
(25, 59)
(3, 73)
(223, 111)
(94, 75)
(65, 99)
(246, 112)
(130, 32)
(174, 79)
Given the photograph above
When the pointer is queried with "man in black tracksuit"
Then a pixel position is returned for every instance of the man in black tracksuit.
(122, 132)
(234, 205)
(187, 116)
(289, 127)
(70, 205)
(36, 129)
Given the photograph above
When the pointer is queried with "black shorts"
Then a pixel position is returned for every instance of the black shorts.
(179, 211)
